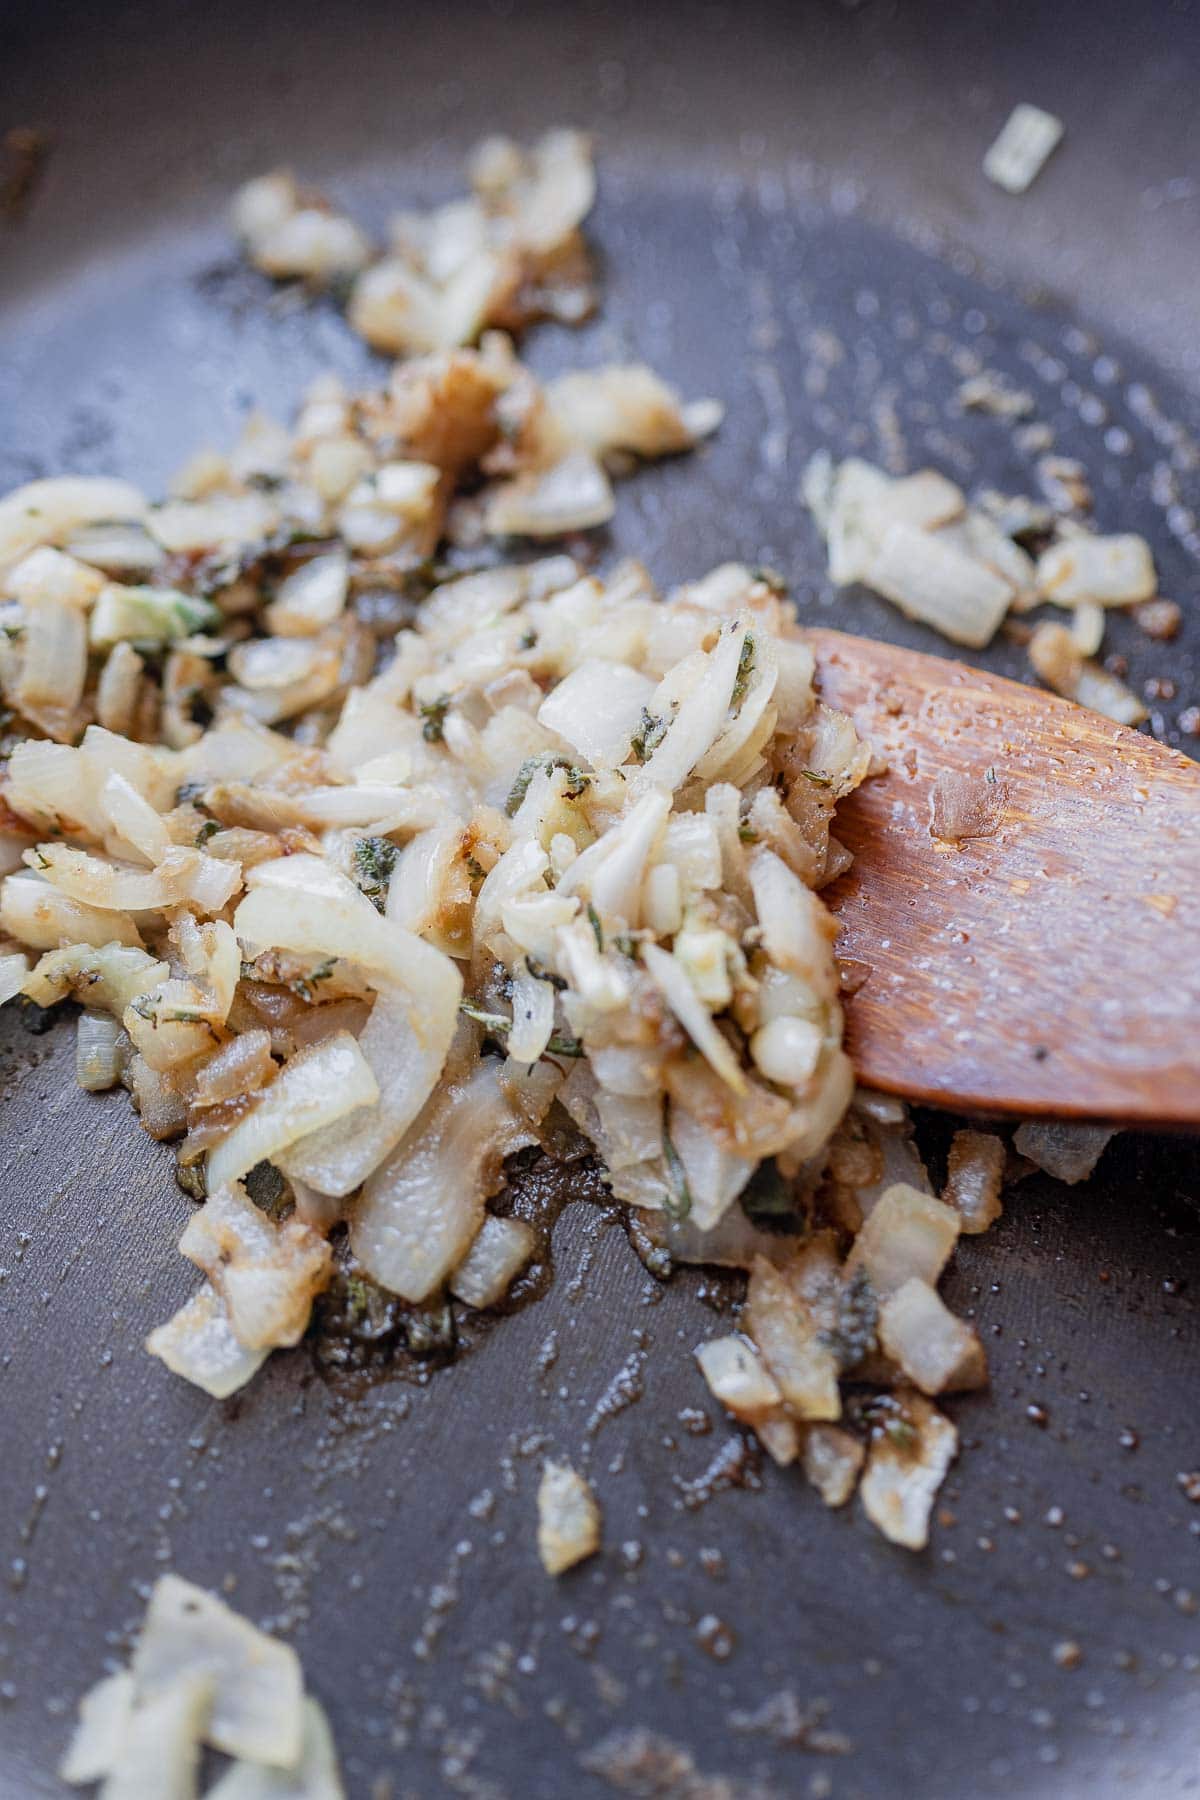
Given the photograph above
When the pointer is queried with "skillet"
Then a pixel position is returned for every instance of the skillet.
(793, 217)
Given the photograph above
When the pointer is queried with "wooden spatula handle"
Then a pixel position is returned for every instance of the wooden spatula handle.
(1052, 969)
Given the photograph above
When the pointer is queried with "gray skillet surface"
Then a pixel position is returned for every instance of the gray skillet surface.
(793, 218)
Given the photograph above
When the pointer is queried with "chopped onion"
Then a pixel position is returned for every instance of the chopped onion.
(256, 1683)
(311, 597)
(111, 976)
(572, 495)
(568, 1527)
(500, 1251)
(1019, 153)
(596, 709)
(1057, 660)
(974, 1178)
(105, 1712)
(936, 1351)
(101, 1048)
(791, 1334)
(14, 972)
(198, 1343)
(738, 1377)
(267, 1274)
(931, 581)
(832, 1461)
(315, 1776)
(420, 1211)
(48, 512)
(1067, 1152)
(905, 1468)
(317, 1087)
(907, 1234)
(672, 983)
(159, 1750)
(1108, 571)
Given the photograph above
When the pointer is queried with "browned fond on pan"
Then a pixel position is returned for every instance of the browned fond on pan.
(1051, 968)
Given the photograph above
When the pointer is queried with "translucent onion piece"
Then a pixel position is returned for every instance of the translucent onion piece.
(501, 1249)
(936, 1351)
(160, 1748)
(48, 512)
(596, 709)
(315, 1777)
(1067, 1152)
(679, 994)
(104, 1717)
(975, 1177)
(198, 1344)
(317, 1087)
(931, 581)
(266, 1273)
(100, 1048)
(1019, 153)
(569, 1524)
(1109, 571)
(419, 1213)
(906, 1466)
(907, 1234)
(257, 1686)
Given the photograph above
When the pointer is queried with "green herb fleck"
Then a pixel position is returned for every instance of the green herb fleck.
(476, 872)
(494, 1022)
(769, 1201)
(541, 974)
(559, 1045)
(576, 779)
(678, 1203)
(747, 833)
(745, 669)
(433, 712)
(209, 829)
(817, 779)
(527, 640)
(189, 791)
(900, 1433)
(648, 736)
(627, 944)
(306, 984)
(374, 860)
(597, 928)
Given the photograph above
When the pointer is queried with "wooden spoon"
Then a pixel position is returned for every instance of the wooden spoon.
(1051, 967)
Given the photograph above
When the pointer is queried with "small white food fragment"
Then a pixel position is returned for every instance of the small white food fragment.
(160, 1748)
(1067, 1152)
(974, 1179)
(1057, 661)
(104, 1715)
(315, 1777)
(907, 1464)
(908, 1233)
(1111, 571)
(198, 1343)
(257, 1685)
(1018, 155)
(499, 1253)
(738, 1377)
(568, 1519)
(932, 581)
(936, 1351)
(832, 1460)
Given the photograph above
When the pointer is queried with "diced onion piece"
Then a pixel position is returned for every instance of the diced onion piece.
(313, 244)
(100, 1049)
(151, 615)
(1067, 1152)
(198, 1344)
(49, 511)
(974, 1178)
(936, 1351)
(315, 1777)
(241, 1066)
(1110, 571)
(792, 1344)
(104, 1717)
(266, 1273)
(619, 407)
(311, 597)
(420, 1211)
(832, 1461)
(596, 709)
(257, 1685)
(572, 495)
(14, 971)
(110, 976)
(1017, 157)
(787, 1050)
(905, 1469)
(907, 1234)
(701, 716)
(315, 1088)
(499, 1253)
(1057, 661)
(738, 1377)
(133, 819)
(798, 930)
(160, 1748)
(568, 1528)
(672, 983)
(112, 887)
(929, 580)
(1087, 627)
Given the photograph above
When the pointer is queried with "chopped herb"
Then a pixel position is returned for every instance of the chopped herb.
(678, 1203)
(853, 1335)
(747, 833)
(209, 829)
(528, 640)
(900, 1433)
(649, 735)
(565, 1046)
(541, 974)
(576, 779)
(374, 860)
(189, 791)
(745, 669)
(769, 577)
(990, 775)
(476, 871)
(306, 983)
(490, 1020)
(268, 1189)
(817, 779)
(433, 712)
(597, 928)
(42, 861)
(190, 1178)
(627, 944)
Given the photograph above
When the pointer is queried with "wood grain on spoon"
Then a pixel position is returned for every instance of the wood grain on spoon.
(1051, 968)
